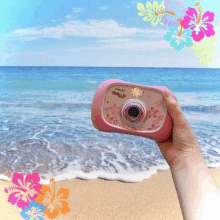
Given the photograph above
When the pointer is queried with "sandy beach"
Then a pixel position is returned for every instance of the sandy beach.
(154, 198)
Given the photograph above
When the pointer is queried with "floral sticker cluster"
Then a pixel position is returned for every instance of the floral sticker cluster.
(112, 116)
(191, 28)
(37, 200)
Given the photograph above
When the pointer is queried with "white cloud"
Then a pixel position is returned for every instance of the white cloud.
(69, 16)
(55, 20)
(132, 44)
(110, 35)
(104, 7)
(117, 40)
(125, 44)
(76, 10)
(90, 28)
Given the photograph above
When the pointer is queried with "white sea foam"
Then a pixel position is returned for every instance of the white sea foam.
(68, 173)
(214, 165)
(198, 99)
(3, 177)
(92, 82)
(5, 128)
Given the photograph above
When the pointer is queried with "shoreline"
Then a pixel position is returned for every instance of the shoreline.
(99, 199)
(127, 178)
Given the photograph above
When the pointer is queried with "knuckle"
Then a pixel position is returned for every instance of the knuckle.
(175, 106)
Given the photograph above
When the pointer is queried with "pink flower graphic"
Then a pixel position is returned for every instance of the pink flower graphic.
(156, 121)
(158, 103)
(107, 109)
(201, 25)
(153, 127)
(152, 113)
(23, 192)
(148, 96)
(108, 118)
(115, 122)
(115, 110)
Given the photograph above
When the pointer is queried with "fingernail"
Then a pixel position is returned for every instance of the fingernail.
(166, 94)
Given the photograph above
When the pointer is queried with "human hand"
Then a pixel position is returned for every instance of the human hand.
(183, 142)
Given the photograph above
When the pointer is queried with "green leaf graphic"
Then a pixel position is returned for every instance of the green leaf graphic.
(141, 13)
(140, 7)
(149, 7)
(155, 21)
(148, 17)
(204, 61)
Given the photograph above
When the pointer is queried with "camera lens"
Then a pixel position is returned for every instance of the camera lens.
(133, 112)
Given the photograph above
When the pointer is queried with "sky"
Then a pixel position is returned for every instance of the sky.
(92, 33)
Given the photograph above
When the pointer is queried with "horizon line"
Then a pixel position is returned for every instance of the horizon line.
(119, 67)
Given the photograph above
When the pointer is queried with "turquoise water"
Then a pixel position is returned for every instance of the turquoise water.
(45, 121)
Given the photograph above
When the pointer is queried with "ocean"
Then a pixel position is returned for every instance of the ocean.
(46, 127)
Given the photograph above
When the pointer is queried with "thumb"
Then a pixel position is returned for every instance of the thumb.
(174, 109)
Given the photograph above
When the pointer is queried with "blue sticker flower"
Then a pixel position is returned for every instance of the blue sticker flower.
(177, 7)
(35, 211)
(179, 38)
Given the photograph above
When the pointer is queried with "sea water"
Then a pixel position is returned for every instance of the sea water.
(46, 127)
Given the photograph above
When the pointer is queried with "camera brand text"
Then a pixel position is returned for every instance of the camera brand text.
(118, 94)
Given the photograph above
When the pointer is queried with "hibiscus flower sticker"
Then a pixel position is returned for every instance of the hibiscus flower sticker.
(205, 49)
(177, 7)
(152, 12)
(23, 191)
(53, 200)
(35, 211)
(179, 38)
(200, 24)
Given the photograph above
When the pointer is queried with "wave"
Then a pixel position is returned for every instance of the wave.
(90, 81)
(42, 104)
(204, 109)
(86, 105)
(42, 85)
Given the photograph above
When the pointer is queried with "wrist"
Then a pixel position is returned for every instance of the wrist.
(192, 165)
(194, 183)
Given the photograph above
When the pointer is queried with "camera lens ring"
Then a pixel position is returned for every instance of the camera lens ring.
(132, 121)
(133, 106)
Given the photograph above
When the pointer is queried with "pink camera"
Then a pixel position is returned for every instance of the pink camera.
(123, 107)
